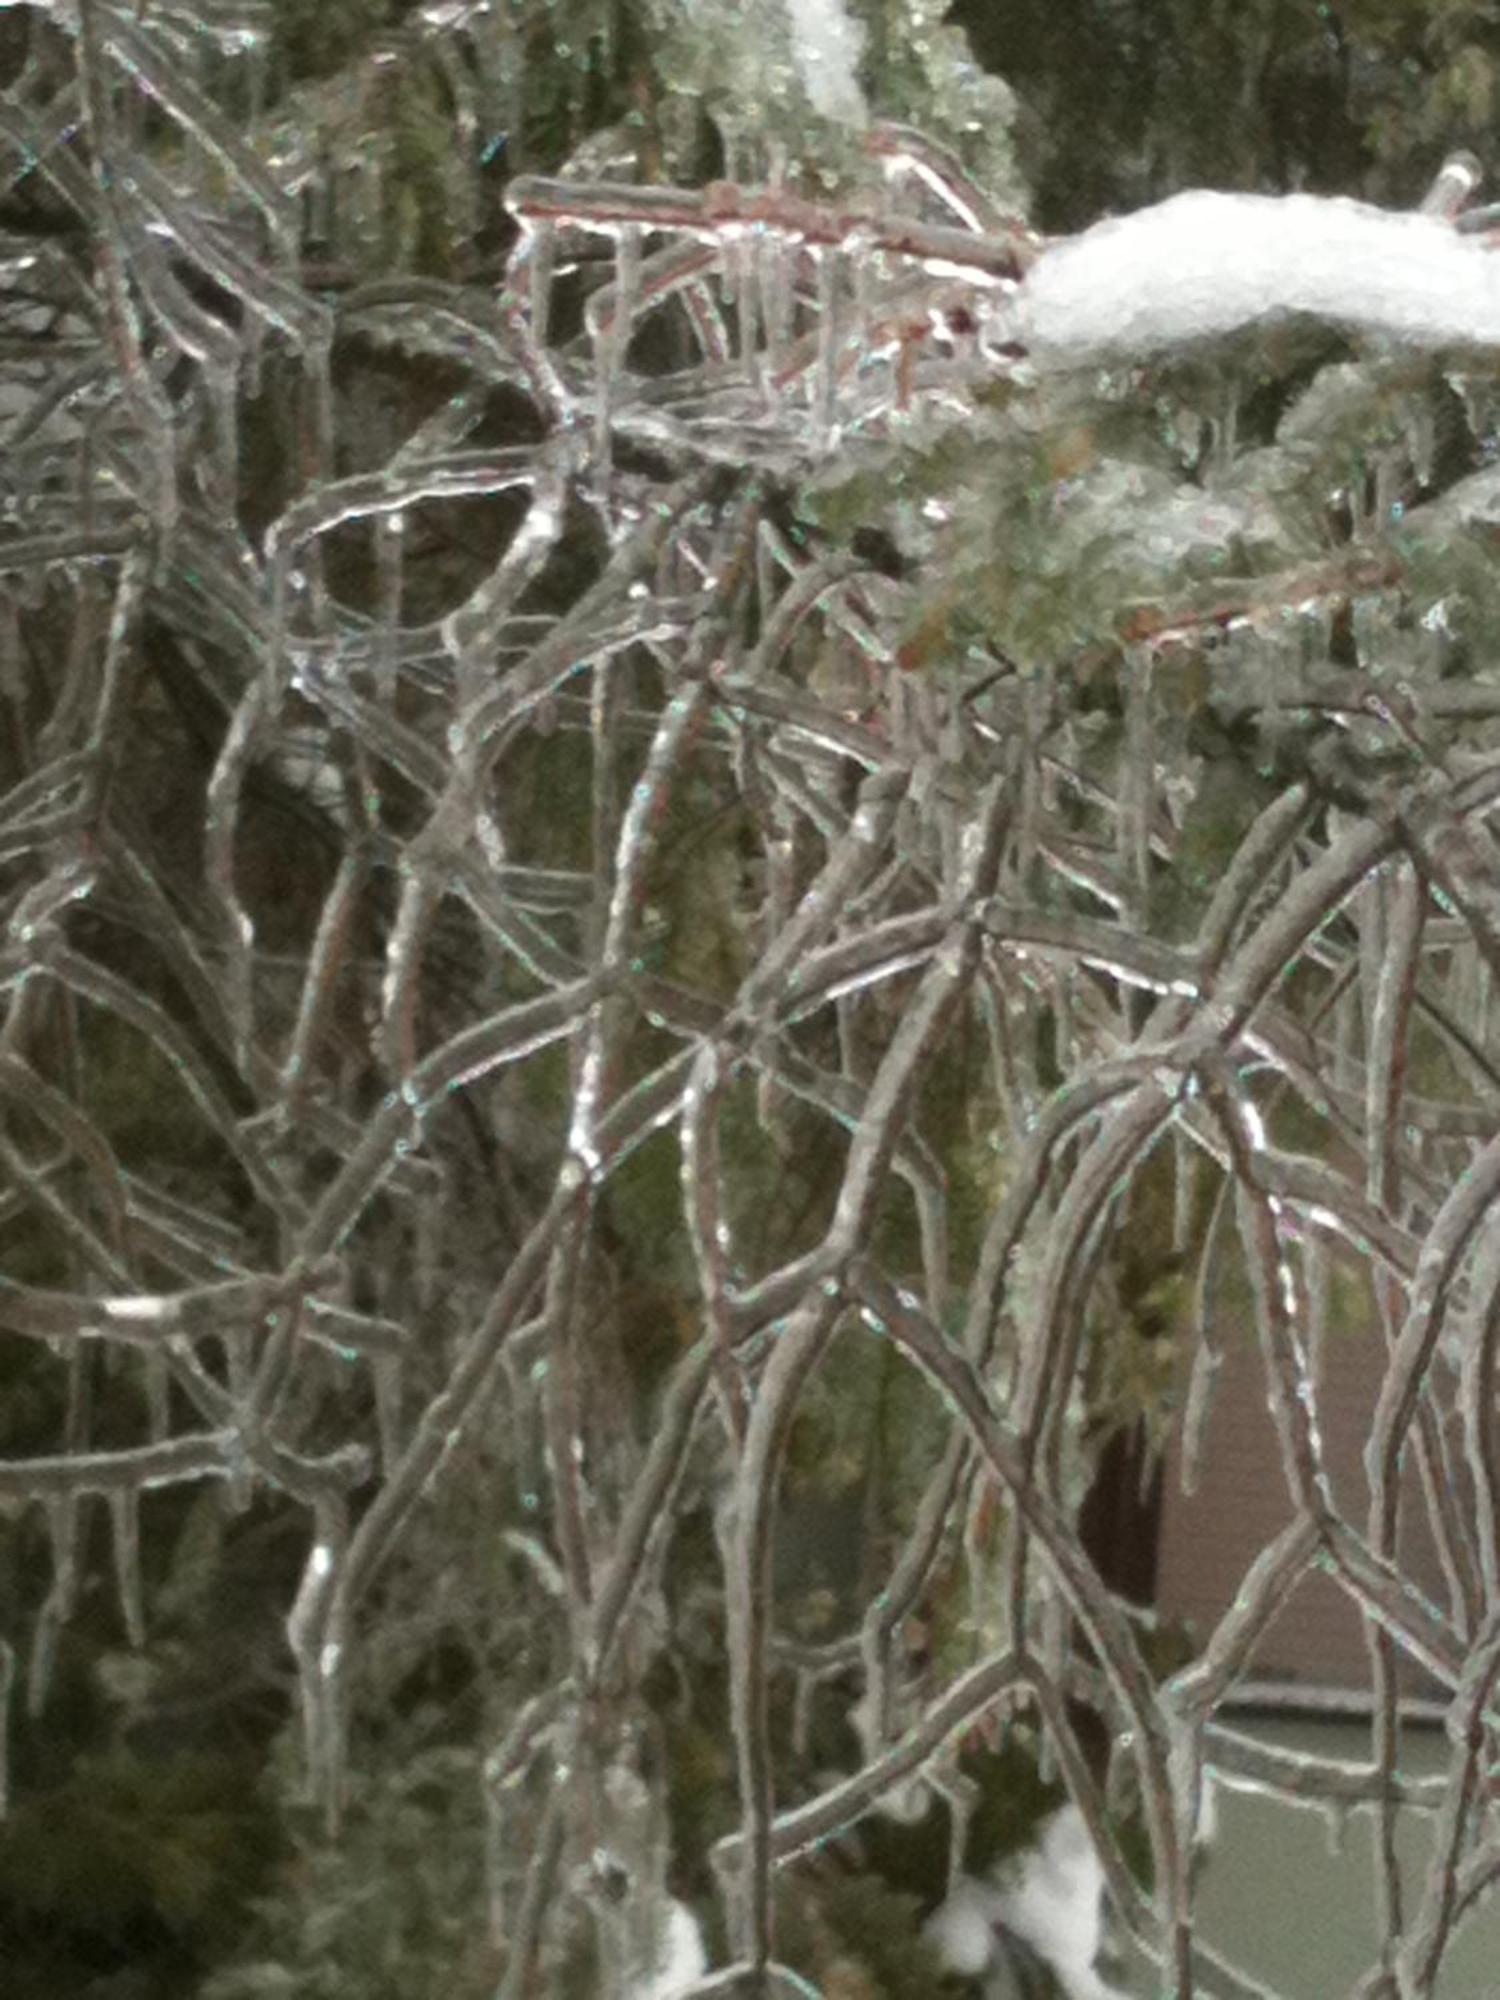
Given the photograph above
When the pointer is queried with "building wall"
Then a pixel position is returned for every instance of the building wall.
(1210, 1538)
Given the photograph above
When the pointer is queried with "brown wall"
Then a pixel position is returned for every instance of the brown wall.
(1209, 1539)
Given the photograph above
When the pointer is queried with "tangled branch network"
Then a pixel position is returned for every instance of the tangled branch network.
(449, 797)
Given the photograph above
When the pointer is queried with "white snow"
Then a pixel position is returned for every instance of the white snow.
(962, 1931)
(826, 46)
(681, 1959)
(1057, 1904)
(1205, 263)
(1053, 1900)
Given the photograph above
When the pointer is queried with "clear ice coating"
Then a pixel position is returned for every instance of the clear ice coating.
(773, 845)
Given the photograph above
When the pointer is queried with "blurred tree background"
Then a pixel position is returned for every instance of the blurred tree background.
(160, 1839)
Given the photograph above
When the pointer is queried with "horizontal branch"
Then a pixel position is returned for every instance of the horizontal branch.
(722, 209)
(203, 1455)
(142, 1319)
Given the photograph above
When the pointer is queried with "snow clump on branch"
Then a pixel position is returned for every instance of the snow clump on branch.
(1051, 1900)
(827, 45)
(1205, 264)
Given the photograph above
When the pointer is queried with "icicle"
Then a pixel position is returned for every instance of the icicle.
(1184, 1184)
(221, 387)
(390, 542)
(1119, 1778)
(540, 264)
(774, 267)
(864, 274)
(1196, 1415)
(224, 787)
(1347, 1069)
(1484, 986)
(741, 255)
(253, 341)
(318, 1645)
(388, 1374)
(770, 558)
(1226, 429)
(12, 666)
(1315, 1265)
(1052, 1650)
(612, 341)
(401, 982)
(254, 47)
(462, 179)
(804, 1693)
(1062, 1025)
(62, 1532)
(239, 1358)
(825, 372)
(1386, 483)
(1421, 439)
(317, 366)
(124, 1513)
(323, 966)
(1137, 776)
(427, 1269)
(43, 1657)
(496, 1828)
(158, 1400)
(7, 1691)
(1186, 1777)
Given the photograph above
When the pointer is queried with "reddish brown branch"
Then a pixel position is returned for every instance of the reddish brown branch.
(721, 206)
(1164, 625)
